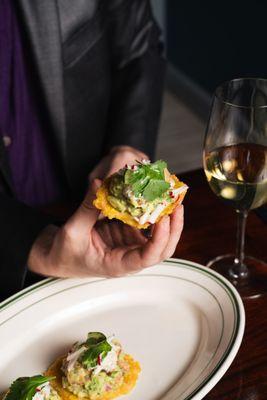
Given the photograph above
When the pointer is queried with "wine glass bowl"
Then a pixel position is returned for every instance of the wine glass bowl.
(235, 164)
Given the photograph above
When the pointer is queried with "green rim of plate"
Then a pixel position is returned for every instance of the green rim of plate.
(236, 308)
(175, 262)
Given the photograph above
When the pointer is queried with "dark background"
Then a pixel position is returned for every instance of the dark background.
(214, 41)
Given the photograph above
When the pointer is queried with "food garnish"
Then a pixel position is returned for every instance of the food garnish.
(96, 369)
(147, 179)
(140, 194)
(97, 350)
(30, 388)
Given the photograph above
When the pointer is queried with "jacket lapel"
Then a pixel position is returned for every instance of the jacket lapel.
(41, 21)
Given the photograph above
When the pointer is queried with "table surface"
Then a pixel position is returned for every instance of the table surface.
(210, 230)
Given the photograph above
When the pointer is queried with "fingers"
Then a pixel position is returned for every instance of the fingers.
(148, 232)
(86, 216)
(132, 236)
(116, 233)
(102, 227)
(99, 172)
(162, 244)
(176, 227)
(94, 175)
(153, 250)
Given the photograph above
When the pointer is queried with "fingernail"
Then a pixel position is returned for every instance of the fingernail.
(97, 182)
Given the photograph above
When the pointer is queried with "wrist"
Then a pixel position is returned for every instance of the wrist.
(39, 261)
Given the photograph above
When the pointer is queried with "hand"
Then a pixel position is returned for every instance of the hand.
(87, 247)
(115, 160)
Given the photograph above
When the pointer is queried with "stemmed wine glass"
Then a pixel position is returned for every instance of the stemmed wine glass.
(235, 164)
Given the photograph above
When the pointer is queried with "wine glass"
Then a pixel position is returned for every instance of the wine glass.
(235, 164)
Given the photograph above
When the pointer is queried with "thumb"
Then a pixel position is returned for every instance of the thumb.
(86, 215)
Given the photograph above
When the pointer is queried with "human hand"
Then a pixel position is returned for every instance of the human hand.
(115, 160)
(86, 247)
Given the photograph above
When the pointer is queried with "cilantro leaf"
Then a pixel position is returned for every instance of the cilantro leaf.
(90, 357)
(147, 180)
(159, 166)
(25, 388)
(137, 179)
(152, 173)
(155, 188)
(94, 338)
(140, 185)
(132, 176)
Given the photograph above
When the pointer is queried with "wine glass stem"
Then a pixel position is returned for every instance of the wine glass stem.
(240, 270)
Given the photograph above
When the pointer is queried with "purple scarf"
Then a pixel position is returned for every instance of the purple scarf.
(29, 152)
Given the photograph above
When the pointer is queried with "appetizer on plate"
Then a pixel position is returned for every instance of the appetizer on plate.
(32, 388)
(141, 194)
(96, 369)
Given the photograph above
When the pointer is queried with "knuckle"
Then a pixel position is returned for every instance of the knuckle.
(69, 233)
(118, 274)
(150, 261)
(129, 155)
(168, 252)
(115, 274)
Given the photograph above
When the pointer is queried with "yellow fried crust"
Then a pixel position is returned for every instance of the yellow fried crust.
(101, 202)
(129, 381)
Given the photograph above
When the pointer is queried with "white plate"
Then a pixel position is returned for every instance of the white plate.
(183, 322)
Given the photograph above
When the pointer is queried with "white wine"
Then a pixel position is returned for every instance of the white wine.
(238, 174)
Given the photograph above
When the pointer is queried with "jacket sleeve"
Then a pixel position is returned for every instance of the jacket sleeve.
(19, 227)
(138, 69)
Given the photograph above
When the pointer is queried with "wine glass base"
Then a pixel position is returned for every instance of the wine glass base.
(249, 285)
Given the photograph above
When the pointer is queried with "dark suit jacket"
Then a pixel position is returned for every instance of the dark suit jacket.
(99, 67)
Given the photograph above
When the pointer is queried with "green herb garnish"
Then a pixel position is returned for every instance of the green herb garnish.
(155, 188)
(97, 345)
(25, 388)
(158, 167)
(94, 338)
(147, 180)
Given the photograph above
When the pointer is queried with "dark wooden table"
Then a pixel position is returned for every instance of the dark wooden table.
(210, 229)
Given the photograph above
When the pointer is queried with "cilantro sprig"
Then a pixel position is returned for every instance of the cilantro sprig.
(97, 345)
(147, 180)
(155, 188)
(25, 388)
(94, 338)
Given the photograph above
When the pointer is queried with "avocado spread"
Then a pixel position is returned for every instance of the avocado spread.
(94, 367)
(141, 189)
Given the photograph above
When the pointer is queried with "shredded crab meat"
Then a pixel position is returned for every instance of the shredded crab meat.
(179, 190)
(143, 219)
(108, 363)
(42, 392)
(167, 176)
(155, 214)
(151, 217)
(72, 357)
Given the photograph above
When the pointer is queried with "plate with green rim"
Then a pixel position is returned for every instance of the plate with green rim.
(183, 322)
